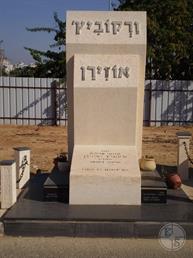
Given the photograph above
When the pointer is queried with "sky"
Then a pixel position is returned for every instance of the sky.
(16, 15)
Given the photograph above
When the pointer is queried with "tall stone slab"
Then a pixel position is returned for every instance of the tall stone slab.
(106, 54)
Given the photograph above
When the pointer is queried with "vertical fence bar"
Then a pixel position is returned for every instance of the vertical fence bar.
(59, 103)
(34, 101)
(28, 103)
(150, 101)
(10, 101)
(22, 106)
(187, 102)
(54, 102)
(174, 106)
(16, 98)
(156, 104)
(180, 113)
(161, 93)
(41, 99)
(3, 109)
(168, 103)
(47, 101)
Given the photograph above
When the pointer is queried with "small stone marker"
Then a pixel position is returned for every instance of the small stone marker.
(183, 150)
(8, 183)
(22, 157)
(106, 54)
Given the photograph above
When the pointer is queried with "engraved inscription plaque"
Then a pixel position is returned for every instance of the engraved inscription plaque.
(106, 71)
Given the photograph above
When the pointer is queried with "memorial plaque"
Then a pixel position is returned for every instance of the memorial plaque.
(153, 188)
(153, 195)
(105, 175)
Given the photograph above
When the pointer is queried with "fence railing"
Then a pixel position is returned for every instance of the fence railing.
(31, 101)
(168, 103)
(42, 101)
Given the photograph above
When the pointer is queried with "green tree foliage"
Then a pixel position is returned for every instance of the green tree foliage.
(50, 63)
(170, 37)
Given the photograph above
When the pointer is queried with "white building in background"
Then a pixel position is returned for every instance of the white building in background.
(22, 65)
(33, 65)
(8, 65)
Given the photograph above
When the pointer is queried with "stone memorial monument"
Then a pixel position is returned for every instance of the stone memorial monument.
(106, 54)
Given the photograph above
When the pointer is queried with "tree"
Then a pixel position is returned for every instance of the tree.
(169, 37)
(50, 63)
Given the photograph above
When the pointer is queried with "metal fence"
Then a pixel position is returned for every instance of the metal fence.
(42, 101)
(31, 101)
(168, 103)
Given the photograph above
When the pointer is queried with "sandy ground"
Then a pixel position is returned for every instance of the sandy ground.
(46, 142)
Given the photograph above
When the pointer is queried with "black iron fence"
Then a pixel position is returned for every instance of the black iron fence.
(42, 101)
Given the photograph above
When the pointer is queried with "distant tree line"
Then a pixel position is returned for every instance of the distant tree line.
(169, 41)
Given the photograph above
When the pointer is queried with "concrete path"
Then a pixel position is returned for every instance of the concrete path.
(88, 247)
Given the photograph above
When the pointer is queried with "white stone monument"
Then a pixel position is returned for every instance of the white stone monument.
(106, 53)
(8, 183)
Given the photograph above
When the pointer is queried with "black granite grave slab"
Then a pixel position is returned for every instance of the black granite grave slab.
(32, 216)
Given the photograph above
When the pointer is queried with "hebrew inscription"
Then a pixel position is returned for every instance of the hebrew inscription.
(112, 27)
(109, 160)
(92, 72)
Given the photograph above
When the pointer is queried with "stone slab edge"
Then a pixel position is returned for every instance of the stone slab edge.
(1, 228)
(89, 229)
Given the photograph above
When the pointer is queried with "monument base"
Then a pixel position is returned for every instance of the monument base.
(106, 175)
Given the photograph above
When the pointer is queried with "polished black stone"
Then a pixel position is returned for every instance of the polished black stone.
(21, 148)
(153, 188)
(56, 187)
(184, 134)
(31, 215)
(153, 196)
(7, 162)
